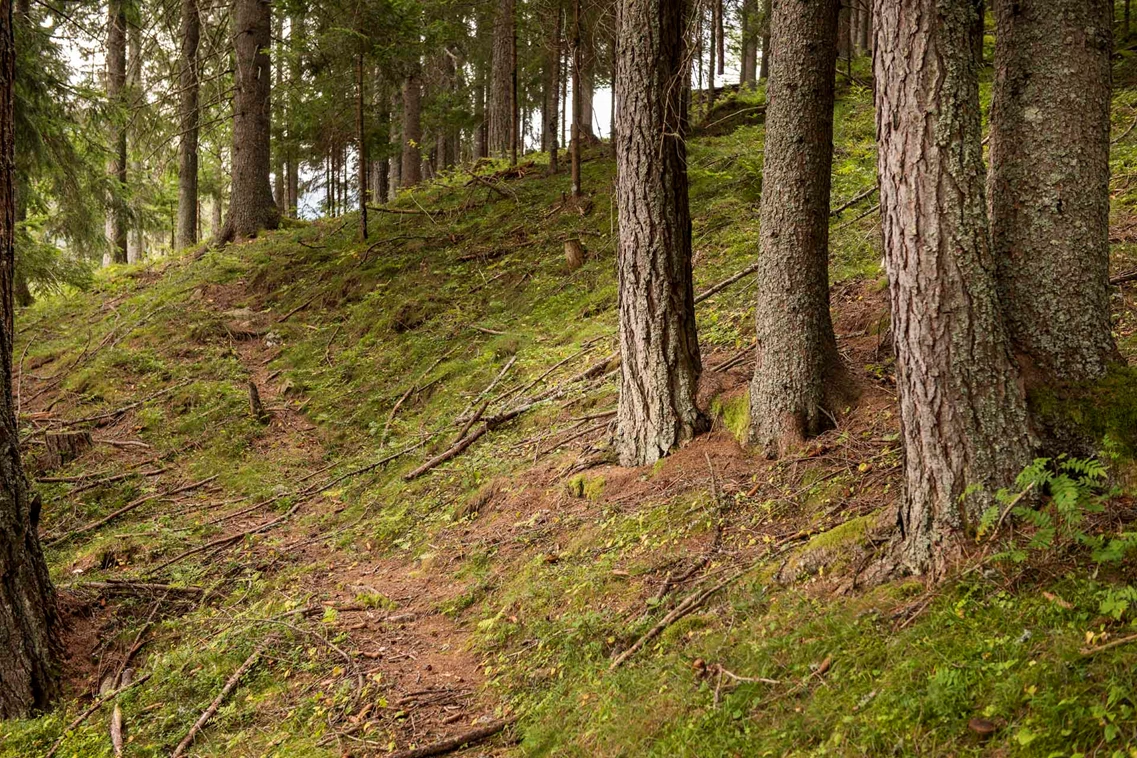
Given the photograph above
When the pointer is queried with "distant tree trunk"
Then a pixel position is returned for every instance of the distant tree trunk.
(411, 174)
(659, 346)
(361, 145)
(963, 416)
(395, 180)
(29, 677)
(188, 124)
(574, 145)
(501, 116)
(712, 51)
(587, 76)
(481, 128)
(215, 214)
(843, 31)
(292, 167)
(279, 118)
(515, 106)
(748, 68)
(552, 92)
(865, 31)
(720, 35)
(1049, 185)
(767, 53)
(1125, 24)
(798, 380)
(251, 206)
(980, 29)
(116, 229)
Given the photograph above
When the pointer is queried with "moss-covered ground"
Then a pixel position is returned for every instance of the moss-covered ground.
(503, 583)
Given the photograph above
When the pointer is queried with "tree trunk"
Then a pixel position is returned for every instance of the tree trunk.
(500, 116)
(552, 92)
(411, 174)
(395, 179)
(866, 29)
(720, 35)
(481, 125)
(798, 380)
(748, 66)
(963, 416)
(574, 145)
(1049, 185)
(251, 206)
(361, 146)
(764, 72)
(188, 125)
(116, 127)
(844, 39)
(28, 619)
(215, 214)
(659, 346)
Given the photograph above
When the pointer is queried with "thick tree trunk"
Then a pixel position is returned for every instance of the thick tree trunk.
(251, 205)
(116, 226)
(188, 125)
(963, 415)
(28, 670)
(411, 174)
(500, 115)
(659, 346)
(798, 380)
(552, 92)
(481, 125)
(1049, 185)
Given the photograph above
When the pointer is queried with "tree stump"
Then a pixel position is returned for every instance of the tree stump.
(256, 408)
(575, 254)
(64, 447)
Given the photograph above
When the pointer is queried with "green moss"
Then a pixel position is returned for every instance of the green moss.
(586, 487)
(1104, 410)
(734, 414)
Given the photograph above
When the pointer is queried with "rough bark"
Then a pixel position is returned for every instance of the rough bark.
(1049, 184)
(500, 107)
(188, 126)
(28, 618)
(798, 379)
(963, 416)
(116, 226)
(251, 205)
(411, 173)
(659, 346)
(844, 33)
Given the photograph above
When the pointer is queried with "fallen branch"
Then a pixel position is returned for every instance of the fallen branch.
(717, 288)
(850, 222)
(297, 309)
(1123, 278)
(94, 707)
(119, 411)
(126, 509)
(451, 744)
(862, 196)
(689, 604)
(118, 586)
(1107, 646)
(212, 709)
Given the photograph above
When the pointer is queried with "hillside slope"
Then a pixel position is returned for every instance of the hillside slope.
(715, 604)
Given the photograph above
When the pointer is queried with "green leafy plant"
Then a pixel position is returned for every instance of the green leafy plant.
(1071, 490)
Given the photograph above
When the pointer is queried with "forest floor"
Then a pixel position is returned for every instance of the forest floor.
(714, 604)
